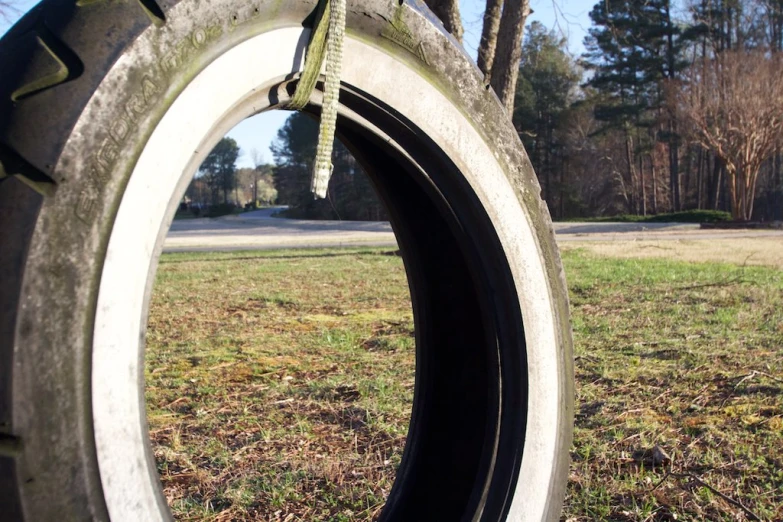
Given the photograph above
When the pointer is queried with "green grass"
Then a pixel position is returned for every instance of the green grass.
(280, 384)
(687, 357)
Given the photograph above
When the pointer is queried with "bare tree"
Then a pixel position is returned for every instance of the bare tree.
(732, 104)
(448, 12)
(505, 68)
(7, 9)
(258, 161)
(501, 41)
(489, 37)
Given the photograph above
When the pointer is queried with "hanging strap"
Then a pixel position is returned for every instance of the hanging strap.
(326, 42)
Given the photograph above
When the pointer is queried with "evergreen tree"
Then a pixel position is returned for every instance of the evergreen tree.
(547, 85)
(350, 194)
(219, 169)
(633, 47)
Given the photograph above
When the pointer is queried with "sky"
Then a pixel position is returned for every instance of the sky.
(569, 18)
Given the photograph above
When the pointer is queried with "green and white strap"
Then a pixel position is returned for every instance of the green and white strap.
(326, 42)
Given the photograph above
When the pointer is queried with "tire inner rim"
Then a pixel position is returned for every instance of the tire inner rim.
(484, 386)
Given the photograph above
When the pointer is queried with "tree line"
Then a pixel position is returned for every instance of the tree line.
(673, 106)
(686, 110)
(219, 186)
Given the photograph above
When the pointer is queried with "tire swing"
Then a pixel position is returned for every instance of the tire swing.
(106, 108)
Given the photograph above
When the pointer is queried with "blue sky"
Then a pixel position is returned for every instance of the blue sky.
(568, 17)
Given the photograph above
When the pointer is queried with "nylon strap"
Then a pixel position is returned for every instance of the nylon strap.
(326, 41)
(314, 59)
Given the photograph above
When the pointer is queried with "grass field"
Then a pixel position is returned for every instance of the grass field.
(279, 386)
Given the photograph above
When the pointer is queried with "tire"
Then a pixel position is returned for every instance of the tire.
(102, 107)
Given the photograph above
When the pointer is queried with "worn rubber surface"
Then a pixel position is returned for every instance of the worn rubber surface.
(69, 137)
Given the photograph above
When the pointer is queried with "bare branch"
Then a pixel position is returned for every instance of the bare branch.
(732, 104)
(7, 10)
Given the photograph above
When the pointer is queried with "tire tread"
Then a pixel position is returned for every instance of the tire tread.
(13, 165)
(48, 48)
(10, 446)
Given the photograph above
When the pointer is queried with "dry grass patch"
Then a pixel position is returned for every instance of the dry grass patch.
(759, 251)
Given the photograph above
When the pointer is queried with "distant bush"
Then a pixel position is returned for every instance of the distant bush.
(186, 213)
(691, 216)
(686, 216)
(223, 209)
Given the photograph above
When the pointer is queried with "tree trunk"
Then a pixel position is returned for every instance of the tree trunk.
(632, 206)
(674, 174)
(737, 194)
(448, 12)
(563, 167)
(642, 184)
(747, 179)
(777, 198)
(654, 175)
(548, 163)
(715, 193)
(505, 68)
(489, 37)
(686, 186)
(700, 179)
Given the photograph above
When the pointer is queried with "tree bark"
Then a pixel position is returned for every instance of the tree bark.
(548, 163)
(654, 175)
(448, 12)
(642, 185)
(674, 152)
(489, 37)
(674, 175)
(505, 69)
(629, 154)
(717, 182)
(685, 178)
(777, 211)
(700, 179)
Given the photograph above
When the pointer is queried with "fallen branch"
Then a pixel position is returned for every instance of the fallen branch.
(753, 374)
(721, 284)
(750, 514)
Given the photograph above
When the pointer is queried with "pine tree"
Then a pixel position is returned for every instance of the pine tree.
(633, 47)
(219, 169)
(547, 85)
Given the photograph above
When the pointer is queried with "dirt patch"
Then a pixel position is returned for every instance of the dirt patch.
(762, 251)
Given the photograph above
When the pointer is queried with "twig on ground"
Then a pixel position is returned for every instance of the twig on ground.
(768, 376)
(751, 375)
(750, 514)
(724, 283)
(754, 373)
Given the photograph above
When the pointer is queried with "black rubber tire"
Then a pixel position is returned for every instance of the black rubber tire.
(70, 136)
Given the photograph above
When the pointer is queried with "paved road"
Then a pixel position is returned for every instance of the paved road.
(258, 230)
